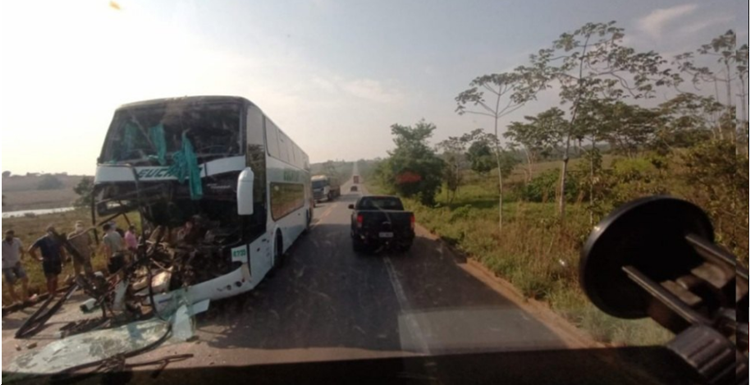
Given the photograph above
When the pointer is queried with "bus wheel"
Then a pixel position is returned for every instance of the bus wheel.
(307, 223)
(278, 253)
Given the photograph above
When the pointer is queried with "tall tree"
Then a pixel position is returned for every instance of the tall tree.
(686, 120)
(730, 67)
(495, 96)
(539, 136)
(592, 63)
(453, 154)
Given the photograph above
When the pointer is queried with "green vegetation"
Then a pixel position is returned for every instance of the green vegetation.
(84, 189)
(413, 169)
(528, 223)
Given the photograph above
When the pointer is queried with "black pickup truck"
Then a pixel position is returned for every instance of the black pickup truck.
(380, 221)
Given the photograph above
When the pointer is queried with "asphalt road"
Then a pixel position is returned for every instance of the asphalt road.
(329, 303)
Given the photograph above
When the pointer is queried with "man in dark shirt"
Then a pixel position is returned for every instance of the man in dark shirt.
(52, 257)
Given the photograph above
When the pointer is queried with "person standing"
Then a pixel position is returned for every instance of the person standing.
(131, 239)
(12, 268)
(52, 257)
(82, 242)
(113, 245)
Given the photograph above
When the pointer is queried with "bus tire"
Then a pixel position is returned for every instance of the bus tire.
(307, 222)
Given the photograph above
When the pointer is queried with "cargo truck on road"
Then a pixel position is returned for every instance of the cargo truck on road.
(325, 188)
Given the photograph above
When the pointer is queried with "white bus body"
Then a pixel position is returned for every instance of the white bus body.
(133, 173)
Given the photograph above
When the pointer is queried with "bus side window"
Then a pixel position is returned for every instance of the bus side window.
(272, 140)
(283, 147)
(293, 154)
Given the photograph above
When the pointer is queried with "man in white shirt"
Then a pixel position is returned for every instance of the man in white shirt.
(12, 268)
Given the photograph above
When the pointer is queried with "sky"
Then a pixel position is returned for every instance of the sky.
(334, 75)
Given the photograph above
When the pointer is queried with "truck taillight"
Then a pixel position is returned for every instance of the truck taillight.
(412, 220)
(360, 220)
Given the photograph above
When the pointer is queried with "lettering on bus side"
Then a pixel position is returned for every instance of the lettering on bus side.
(158, 172)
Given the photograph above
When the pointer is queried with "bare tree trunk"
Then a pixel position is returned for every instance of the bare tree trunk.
(566, 155)
(499, 177)
(719, 130)
(499, 168)
(731, 114)
(528, 160)
(563, 177)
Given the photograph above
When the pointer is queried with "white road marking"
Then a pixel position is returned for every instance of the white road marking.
(411, 323)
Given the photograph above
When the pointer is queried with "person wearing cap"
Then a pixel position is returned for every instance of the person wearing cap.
(12, 269)
(82, 242)
(52, 257)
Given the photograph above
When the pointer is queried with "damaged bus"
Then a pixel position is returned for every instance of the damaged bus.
(221, 191)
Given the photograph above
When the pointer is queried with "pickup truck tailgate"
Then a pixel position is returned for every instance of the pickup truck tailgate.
(376, 221)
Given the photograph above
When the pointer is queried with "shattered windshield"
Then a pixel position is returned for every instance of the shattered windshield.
(149, 135)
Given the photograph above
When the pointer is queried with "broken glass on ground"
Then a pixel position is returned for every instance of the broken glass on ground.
(174, 325)
(87, 348)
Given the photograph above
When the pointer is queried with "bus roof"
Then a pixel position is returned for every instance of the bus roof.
(186, 99)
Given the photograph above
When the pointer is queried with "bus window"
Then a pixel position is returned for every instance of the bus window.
(286, 198)
(256, 160)
(293, 154)
(298, 156)
(283, 147)
(272, 140)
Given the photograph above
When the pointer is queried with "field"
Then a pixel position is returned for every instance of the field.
(533, 252)
(22, 193)
(30, 229)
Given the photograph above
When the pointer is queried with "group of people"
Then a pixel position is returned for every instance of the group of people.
(115, 246)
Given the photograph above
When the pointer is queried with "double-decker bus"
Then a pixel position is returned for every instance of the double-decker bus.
(221, 191)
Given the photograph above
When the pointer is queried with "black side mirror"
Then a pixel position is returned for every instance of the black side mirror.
(351, 207)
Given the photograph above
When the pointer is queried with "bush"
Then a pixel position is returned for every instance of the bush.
(49, 182)
(545, 186)
(718, 181)
(633, 178)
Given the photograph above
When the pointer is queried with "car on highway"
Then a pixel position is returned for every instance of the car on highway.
(381, 222)
(353, 189)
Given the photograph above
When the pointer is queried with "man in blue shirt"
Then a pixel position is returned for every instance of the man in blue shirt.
(52, 257)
